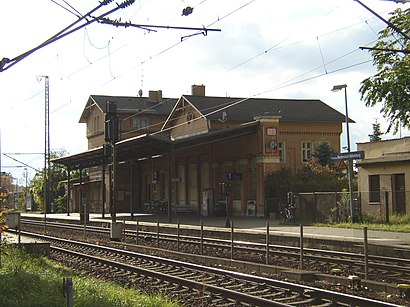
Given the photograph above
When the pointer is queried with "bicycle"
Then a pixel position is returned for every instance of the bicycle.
(287, 213)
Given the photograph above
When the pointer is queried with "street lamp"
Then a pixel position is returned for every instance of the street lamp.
(25, 191)
(337, 88)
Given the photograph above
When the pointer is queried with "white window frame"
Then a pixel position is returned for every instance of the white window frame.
(136, 123)
(144, 123)
(282, 151)
(190, 117)
(306, 151)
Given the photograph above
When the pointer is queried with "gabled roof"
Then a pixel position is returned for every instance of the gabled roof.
(129, 104)
(176, 106)
(246, 109)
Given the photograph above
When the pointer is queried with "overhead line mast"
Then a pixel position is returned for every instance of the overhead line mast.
(47, 168)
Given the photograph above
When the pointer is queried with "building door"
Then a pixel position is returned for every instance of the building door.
(399, 193)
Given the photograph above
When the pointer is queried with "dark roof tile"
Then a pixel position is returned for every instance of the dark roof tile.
(128, 104)
(246, 109)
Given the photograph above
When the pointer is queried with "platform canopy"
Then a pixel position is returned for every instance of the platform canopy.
(148, 145)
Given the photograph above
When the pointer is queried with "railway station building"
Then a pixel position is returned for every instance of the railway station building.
(194, 154)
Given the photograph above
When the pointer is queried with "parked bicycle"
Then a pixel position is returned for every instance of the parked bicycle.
(287, 213)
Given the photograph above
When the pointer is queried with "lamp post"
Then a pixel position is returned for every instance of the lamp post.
(25, 190)
(337, 88)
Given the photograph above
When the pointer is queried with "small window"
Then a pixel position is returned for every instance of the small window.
(136, 123)
(374, 188)
(144, 123)
(189, 117)
(282, 151)
(307, 149)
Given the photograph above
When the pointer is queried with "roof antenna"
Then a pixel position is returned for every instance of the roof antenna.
(142, 80)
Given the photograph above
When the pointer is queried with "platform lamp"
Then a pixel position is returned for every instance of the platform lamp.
(337, 88)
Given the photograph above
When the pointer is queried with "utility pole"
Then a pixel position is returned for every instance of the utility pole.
(47, 141)
(111, 136)
(47, 170)
(25, 191)
(1, 187)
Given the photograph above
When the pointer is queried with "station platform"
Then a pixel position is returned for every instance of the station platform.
(30, 244)
(256, 225)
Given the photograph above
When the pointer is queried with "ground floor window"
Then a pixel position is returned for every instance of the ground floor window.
(282, 151)
(307, 150)
(374, 188)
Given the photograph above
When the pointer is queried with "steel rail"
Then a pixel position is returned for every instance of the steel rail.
(242, 297)
(401, 266)
(335, 257)
(318, 293)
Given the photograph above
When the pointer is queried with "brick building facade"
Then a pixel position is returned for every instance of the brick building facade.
(187, 149)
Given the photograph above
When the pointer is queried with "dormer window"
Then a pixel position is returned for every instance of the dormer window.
(136, 123)
(96, 126)
(140, 123)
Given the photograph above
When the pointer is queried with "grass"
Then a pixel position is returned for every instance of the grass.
(397, 223)
(29, 280)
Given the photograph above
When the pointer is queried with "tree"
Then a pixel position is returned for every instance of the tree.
(377, 133)
(323, 153)
(390, 86)
(279, 183)
(313, 177)
(58, 174)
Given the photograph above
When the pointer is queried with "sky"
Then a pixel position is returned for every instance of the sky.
(269, 49)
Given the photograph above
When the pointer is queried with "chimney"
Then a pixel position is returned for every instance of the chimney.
(155, 96)
(198, 90)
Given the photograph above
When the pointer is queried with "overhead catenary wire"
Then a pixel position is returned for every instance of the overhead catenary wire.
(275, 47)
(282, 85)
(286, 83)
(72, 11)
(150, 58)
(245, 61)
(272, 89)
(230, 104)
(321, 54)
(108, 55)
(6, 63)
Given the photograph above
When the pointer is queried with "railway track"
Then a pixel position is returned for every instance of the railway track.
(379, 268)
(192, 283)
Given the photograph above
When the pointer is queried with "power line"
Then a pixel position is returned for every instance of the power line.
(230, 104)
(179, 42)
(25, 164)
(6, 63)
(72, 11)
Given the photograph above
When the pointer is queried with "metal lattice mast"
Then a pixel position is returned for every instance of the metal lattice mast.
(47, 170)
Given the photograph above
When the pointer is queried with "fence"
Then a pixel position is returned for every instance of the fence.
(326, 206)
(335, 206)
